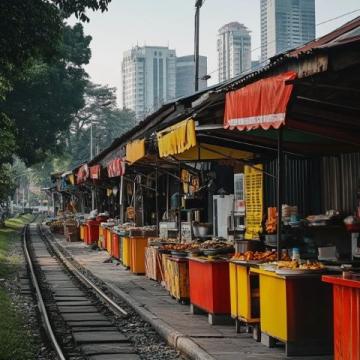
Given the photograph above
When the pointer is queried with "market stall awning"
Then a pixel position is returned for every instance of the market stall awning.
(204, 152)
(116, 167)
(177, 138)
(82, 174)
(135, 150)
(95, 172)
(259, 105)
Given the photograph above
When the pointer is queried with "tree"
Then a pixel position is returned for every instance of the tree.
(43, 103)
(108, 122)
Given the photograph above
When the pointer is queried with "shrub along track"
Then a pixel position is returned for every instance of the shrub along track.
(81, 321)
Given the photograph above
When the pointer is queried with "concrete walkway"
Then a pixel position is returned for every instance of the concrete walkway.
(190, 334)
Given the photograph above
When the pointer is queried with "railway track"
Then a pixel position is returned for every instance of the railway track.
(80, 320)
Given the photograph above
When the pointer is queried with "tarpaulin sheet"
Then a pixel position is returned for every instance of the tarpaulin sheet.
(116, 167)
(176, 139)
(259, 105)
(95, 172)
(82, 174)
(135, 150)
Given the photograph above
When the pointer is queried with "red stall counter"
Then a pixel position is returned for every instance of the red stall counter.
(210, 288)
(346, 295)
(93, 232)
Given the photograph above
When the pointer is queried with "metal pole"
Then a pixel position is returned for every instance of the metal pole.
(121, 199)
(91, 156)
(280, 188)
(198, 5)
(156, 196)
(179, 203)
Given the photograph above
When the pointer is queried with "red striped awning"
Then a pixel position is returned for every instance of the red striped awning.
(261, 104)
(95, 172)
(116, 167)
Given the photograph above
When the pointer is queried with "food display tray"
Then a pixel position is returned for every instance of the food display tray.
(298, 271)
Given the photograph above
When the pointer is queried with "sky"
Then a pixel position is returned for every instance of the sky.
(171, 23)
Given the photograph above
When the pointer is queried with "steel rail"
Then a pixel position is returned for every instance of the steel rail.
(40, 300)
(82, 277)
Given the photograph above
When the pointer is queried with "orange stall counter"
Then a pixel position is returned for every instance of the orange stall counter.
(126, 251)
(104, 237)
(109, 241)
(138, 245)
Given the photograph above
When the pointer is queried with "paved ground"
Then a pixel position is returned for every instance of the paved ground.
(221, 342)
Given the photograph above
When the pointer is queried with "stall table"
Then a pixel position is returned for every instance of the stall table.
(346, 297)
(297, 310)
(244, 295)
(210, 289)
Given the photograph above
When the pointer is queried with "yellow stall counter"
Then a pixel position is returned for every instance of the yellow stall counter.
(297, 310)
(126, 251)
(82, 232)
(101, 236)
(108, 241)
(244, 293)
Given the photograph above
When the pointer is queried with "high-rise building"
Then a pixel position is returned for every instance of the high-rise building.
(234, 50)
(148, 78)
(285, 24)
(185, 75)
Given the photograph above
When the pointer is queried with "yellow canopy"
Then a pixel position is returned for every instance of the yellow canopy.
(213, 152)
(177, 138)
(135, 150)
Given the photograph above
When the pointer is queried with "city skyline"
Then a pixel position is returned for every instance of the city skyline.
(148, 27)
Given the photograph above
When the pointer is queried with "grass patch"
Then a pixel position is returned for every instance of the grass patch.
(16, 342)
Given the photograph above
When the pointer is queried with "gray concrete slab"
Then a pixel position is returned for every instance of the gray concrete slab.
(94, 349)
(74, 303)
(70, 298)
(77, 309)
(84, 317)
(85, 337)
(93, 328)
(115, 357)
(91, 323)
(71, 293)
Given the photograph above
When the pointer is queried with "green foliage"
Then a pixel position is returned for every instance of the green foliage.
(108, 122)
(44, 102)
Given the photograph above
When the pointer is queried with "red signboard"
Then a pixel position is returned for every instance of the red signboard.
(261, 104)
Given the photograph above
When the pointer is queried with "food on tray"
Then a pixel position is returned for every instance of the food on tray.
(295, 265)
(261, 256)
(215, 244)
(180, 247)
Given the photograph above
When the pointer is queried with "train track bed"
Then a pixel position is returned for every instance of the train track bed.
(86, 325)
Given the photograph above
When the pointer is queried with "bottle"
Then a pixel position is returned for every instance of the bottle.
(296, 254)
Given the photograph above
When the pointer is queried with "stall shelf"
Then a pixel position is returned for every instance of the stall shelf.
(178, 272)
(346, 297)
(244, 294)
(210, 289)
(126, 251)
(297, 310)
(138, 245)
